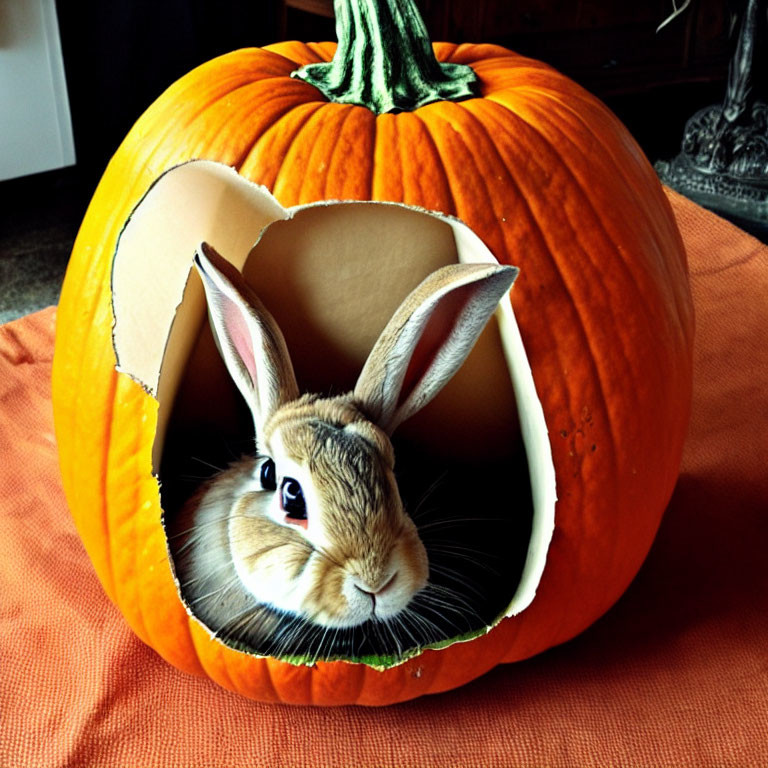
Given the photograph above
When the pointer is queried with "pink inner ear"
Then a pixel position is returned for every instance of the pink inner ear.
(437, 331)
(240, 336)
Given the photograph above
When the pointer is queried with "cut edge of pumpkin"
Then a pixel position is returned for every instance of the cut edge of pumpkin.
(158, 323)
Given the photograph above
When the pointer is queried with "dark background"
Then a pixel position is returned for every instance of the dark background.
(120, 55)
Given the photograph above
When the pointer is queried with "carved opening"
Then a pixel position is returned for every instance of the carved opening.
(473, 467)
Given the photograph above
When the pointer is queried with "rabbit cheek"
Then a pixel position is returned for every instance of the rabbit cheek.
(413, 555)
(409, 561)
(268, 558)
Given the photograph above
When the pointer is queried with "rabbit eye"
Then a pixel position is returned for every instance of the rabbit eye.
(267, 476)
(292, 498)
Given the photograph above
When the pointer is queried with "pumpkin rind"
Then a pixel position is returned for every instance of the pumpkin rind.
(551, 182)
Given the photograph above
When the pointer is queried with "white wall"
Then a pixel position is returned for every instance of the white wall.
(35, 125)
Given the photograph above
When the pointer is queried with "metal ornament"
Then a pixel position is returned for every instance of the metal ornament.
(723, 163)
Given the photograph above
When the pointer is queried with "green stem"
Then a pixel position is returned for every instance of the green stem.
(385, 60)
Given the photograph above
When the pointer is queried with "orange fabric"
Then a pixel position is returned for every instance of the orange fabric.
(675, 674)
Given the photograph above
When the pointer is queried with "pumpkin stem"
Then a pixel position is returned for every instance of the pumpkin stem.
(385, 60)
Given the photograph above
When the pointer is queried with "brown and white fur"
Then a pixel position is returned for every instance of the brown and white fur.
(355, 555)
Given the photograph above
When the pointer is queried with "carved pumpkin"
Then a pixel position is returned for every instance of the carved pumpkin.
(551, 182)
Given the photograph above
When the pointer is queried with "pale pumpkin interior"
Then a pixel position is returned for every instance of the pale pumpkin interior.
(474, 466)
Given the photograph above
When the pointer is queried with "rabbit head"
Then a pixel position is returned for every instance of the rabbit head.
(317, 526)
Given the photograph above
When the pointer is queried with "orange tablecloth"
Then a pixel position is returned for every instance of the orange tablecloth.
(675, 674)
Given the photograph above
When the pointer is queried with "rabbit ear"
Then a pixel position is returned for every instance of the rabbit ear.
(248, 338)
(428, 339)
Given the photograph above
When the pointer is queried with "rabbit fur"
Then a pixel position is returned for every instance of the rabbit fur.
(321, 533)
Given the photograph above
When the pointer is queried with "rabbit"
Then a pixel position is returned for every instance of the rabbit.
(312, 526)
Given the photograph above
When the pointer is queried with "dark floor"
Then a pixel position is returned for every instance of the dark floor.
(41, 214)
(39, 221)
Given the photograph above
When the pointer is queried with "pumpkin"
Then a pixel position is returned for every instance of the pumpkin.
(549, 180)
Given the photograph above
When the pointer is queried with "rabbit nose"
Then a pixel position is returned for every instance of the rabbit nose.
(376, 588)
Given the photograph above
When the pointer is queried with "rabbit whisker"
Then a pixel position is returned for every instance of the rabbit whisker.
(287, 634)
(207, 463)
(459, 578)
(199, 479)
(430, 631)
(455, 553)
(265, 550)
(247, 628)
(437, 596)
(423, 629)
(321, 642)
(396, 623)
(218, 591)
(381, 629)
(303, 640)
(418, 510)
(451, 521)
(225, 631)
(244, 631)
(197, 526)
(206, 576)
(335, 638)
(448, 545)
(321, 651)
(377, 631)
(404, 629)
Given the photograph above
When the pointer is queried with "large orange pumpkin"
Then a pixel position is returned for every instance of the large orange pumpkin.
(553, 183)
